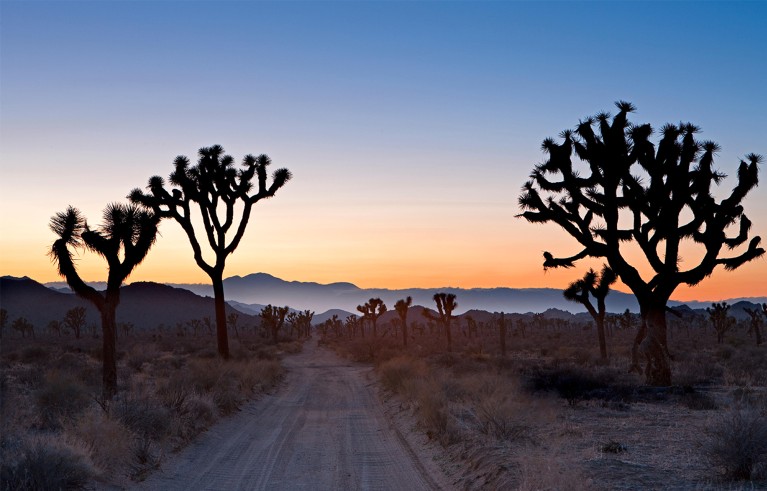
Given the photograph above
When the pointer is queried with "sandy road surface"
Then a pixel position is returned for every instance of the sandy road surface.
(323, 429)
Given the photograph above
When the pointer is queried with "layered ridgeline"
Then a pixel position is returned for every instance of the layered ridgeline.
(250, 293)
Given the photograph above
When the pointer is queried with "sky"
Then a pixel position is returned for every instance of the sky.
(409, 127)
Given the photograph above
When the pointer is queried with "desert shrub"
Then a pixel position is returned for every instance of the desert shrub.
(698, 401)
(59, 398)
(737, 443)
(107, 439)
(145, 457)
(34, 354)
(44, 465)
(571, 384)
(259, 375)
(227, 396)
(145, 417)
(139, 355)
(395, 371)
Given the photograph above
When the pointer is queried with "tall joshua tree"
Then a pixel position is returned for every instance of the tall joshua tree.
(597, 286)
(721, 321)
(218, 190)
(659, 198)
(123, 240)
(402, 307)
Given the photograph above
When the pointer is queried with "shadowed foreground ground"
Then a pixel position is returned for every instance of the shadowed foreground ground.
(323, 429)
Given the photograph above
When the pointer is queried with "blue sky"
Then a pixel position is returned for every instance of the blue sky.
(409, 126)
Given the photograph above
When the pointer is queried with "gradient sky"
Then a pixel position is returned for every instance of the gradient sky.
(409, 126)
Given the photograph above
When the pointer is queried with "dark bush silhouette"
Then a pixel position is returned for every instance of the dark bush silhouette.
(214, 187)
(657, 198)
(127, 230)
(75, 319)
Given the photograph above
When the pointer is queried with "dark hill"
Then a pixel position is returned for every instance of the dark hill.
(146, 305)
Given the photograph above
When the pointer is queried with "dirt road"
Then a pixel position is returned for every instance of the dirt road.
(323, 429)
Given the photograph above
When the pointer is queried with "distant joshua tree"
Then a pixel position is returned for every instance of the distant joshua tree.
(629, 191)
(300, 323)
(720, 320)
(273, 318)
(3, 321)
(127, 232)
(597, 286)
(75, 319)
(371, 311)
(502, 333)
(217, 190)
(23, 327)
(402, 307)
(446, 304)
(756, 320)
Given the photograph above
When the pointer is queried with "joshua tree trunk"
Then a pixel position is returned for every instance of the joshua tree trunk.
(502, 326)
(653, 345)
(108, 342)
(601, 334)
(222, 336)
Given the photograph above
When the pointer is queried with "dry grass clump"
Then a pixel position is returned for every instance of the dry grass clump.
(60, 398)
(736, 444)
(43, 463)
(166, 398)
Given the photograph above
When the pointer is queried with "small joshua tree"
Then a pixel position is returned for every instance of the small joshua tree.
(273, 318)
(626, 190)
(123, 240)
(597, 286)
(371, 311)
(720, 320)
(756, 321)
(215, 188)
(446, 304)
(75, 319)
(402, 307)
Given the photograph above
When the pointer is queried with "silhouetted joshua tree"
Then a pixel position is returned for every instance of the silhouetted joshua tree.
(630, 191)
(722, 322)
(756, 320)
(127, 232)
(217, 190)
(446, 304)
(402, 307)
(3, 321)
(273, 318)
(75, 319)
(597, 286)
(371, 311)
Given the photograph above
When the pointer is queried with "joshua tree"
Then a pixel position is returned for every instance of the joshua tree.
(756, 320)
(75, 319)
(300, 323)
(629, 191)
(502, 333)
(720, 320)
(446, 304)
(273, 318)
(3, 321)
(23, 326)
(233, 319)
(372, 310)
(127, 232)
(598, 286)
(218, 190)
(402, 307)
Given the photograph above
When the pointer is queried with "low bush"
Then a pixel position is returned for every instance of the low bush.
(737, 444)
(44, 465)
(60, 398)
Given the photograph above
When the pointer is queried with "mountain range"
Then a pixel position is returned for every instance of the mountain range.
(148, 305)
